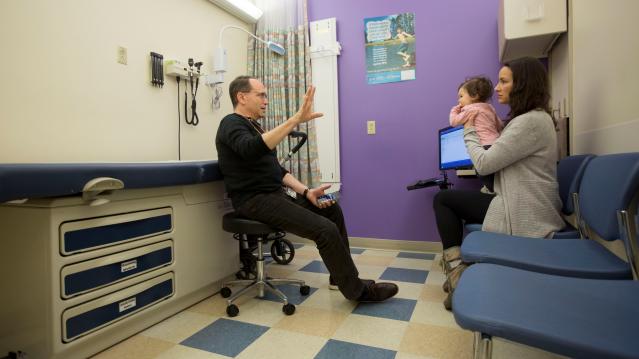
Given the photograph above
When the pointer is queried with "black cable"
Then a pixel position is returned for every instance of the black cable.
(186, 108)
(195, 119)
(177, 78)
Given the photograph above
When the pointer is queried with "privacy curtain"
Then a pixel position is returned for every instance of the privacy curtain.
(286, 78)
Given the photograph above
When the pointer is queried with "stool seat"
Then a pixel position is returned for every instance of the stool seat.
(231, 222)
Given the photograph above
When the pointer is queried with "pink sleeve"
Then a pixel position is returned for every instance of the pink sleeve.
(457, 116)
(488, 127)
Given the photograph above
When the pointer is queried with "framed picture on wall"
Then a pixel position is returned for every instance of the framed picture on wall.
(390, 48)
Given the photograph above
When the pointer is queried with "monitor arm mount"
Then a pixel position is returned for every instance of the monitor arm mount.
(441, 182)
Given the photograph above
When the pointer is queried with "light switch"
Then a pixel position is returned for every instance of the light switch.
(370, 127)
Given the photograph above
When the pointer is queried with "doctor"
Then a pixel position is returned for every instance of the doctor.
(254, 180)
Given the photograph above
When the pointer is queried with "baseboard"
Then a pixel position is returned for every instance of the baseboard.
(375, 243)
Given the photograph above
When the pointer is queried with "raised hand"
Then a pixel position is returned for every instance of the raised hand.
(305, 113)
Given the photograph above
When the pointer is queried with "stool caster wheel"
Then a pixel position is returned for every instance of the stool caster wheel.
(288, 309)
(225, 292)
(282, 251)
(232, 310)
(304, 290)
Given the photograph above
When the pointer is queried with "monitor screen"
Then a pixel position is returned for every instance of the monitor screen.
(452, 150)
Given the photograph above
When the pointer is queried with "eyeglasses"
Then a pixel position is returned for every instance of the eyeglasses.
(261, 95)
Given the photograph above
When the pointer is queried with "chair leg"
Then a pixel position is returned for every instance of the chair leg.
(261, 281)
(232, 298)
(286, 281)
(268, 286)
(482, 346)
(476, 344)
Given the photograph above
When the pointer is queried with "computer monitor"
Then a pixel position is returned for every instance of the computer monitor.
(452, 150)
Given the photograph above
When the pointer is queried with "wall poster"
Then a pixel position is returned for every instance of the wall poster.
(390, 48)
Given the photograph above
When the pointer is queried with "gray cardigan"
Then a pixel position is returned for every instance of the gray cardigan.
(524, 161)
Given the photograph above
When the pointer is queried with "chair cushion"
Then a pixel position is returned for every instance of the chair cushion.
(472, 227)
(566, 233)
(584, 318)
(233, 223)
(567, 257)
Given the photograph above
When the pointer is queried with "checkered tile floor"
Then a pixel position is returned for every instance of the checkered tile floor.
(411, 325)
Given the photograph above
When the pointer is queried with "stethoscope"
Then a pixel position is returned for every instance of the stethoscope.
(195, 119)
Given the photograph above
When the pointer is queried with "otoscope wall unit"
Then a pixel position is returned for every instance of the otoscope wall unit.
(177, 68)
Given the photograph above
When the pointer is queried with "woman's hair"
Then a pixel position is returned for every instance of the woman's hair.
(530, 89)
(478, 86)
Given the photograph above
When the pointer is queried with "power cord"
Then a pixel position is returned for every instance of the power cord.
(215, 101)
(177, 78)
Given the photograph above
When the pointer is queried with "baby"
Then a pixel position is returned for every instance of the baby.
(473, 95)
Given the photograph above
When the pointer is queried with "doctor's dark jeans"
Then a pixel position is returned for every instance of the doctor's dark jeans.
(324, 226)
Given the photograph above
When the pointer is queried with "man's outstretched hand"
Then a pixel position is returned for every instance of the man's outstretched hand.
(305, 113)
(316, 192)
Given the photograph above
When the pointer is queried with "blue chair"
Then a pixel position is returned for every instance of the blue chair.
(609, 184)
(576, 317)
(569, 173)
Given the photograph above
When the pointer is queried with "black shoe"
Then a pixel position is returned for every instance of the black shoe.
(333, 286)
(378, 292)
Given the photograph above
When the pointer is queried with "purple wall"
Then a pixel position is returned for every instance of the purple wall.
(454, 39)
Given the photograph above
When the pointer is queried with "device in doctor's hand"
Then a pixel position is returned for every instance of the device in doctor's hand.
(329, 197)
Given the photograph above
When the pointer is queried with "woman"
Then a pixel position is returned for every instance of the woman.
(526, 199)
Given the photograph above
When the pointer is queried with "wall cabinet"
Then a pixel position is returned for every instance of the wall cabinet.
(529, 27)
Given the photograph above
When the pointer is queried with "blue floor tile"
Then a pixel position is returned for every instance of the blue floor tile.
(339, 349)
(405, 275)
(416, 255)
(394, 308)
(316, 267)
(225, 337)
(357, 250)
(292, 292)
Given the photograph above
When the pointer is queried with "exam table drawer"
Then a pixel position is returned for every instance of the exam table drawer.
(99, 313)
(89, 234)
(93, 274)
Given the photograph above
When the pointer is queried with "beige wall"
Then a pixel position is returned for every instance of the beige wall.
(603, 75)
(64, 97)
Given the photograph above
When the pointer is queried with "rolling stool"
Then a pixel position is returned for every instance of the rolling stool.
(235, 224)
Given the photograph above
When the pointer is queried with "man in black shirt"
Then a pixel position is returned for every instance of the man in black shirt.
(254, 178)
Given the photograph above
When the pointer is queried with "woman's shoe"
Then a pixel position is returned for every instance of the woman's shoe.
(331, 284)
(449, 256)
(446, 286)
(454, 275)
(448, 302)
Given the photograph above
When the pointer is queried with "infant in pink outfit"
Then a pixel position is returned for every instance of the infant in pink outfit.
(473, 95)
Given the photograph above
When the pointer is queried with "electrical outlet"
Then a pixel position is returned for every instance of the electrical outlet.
(122, 55)
(370, 127)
